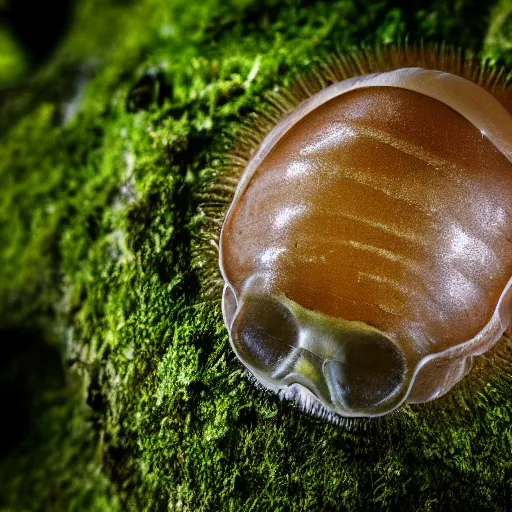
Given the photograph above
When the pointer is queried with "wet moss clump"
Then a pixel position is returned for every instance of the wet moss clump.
(122, 390)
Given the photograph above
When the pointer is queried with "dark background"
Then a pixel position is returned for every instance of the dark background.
(38, 25)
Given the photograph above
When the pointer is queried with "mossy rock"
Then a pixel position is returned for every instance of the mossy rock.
(124, 392)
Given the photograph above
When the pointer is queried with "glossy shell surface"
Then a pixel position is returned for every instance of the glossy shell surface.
(367, 252)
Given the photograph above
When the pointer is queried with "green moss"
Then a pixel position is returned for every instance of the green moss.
(49, 448)
(98, 227)
(498, 44)
(13, 61)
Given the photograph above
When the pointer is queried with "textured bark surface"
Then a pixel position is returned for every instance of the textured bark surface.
(117, 382)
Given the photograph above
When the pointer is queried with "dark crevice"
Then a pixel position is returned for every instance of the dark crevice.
(151, 89)
(29, 369)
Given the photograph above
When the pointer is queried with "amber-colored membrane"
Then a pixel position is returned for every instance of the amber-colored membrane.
(366, 252)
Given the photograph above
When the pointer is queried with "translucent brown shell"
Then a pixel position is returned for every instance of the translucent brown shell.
(253, 305)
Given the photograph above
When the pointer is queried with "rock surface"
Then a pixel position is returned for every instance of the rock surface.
(117, 381)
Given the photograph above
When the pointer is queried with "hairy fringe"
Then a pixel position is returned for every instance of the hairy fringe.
(303, 401)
